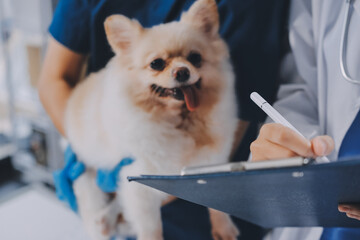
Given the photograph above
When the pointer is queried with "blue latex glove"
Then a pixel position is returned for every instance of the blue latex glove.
(106, 179)
(65, 177)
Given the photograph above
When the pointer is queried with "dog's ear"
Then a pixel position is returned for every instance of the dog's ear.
(204, 15)
(121, 32)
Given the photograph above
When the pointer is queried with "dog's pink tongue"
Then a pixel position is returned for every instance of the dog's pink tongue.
(191, 96)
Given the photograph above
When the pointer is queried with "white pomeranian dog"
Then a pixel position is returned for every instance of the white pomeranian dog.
(167, 100)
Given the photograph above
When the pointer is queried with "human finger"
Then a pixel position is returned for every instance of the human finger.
(353, 209)
(322, 145)
(265, 150)
(357, 217)
(287, 138)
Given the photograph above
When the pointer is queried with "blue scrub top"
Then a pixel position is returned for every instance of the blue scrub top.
(253, 29)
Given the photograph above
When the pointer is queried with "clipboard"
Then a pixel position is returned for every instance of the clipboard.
(305, 196)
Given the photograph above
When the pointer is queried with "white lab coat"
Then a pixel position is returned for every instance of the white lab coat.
(319, 98)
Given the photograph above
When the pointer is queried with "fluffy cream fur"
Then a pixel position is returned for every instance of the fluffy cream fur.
(114, 114)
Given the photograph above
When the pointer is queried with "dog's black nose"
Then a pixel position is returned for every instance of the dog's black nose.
(182, 74)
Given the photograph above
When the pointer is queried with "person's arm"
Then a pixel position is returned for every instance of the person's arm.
(61, 70)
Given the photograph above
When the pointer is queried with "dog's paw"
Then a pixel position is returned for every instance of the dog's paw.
(222, 227)
(105, 225)
(107, 221)
(101, 226)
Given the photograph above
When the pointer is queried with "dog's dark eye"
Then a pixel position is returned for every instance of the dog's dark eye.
(158, 64)
(195, 59)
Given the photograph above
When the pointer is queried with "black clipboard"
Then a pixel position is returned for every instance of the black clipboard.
(286, 197)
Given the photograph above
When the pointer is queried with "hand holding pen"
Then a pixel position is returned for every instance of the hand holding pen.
(282, 140)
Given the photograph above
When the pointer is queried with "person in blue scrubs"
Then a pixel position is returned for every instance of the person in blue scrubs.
(253, 30)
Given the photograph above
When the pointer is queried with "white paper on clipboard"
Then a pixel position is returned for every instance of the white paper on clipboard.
(246, 166)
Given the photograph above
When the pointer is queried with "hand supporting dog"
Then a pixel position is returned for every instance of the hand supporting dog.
(106, 180)
(64, 178)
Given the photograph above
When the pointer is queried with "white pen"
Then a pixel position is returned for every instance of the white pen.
(277, 117)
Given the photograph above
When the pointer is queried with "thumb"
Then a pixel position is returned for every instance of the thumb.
(322, 145)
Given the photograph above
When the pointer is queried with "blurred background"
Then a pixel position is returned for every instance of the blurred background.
(30, 147)
(27, 135)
